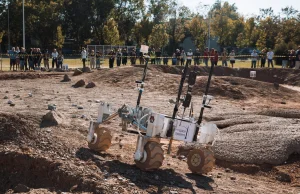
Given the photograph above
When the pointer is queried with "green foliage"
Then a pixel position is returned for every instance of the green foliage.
(197, 28)
(111, 33)
(60, 39)
(159, 37)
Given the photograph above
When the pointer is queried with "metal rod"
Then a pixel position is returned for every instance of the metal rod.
(23, 26)
(8, 33)
(170, 131)
(203, 102)
(142, 86)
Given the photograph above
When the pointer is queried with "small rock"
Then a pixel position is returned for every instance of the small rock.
(9, 102)
(74, 116)
(66, 78)
(173, 192)
(232, 178)
(89, 100)
(7, 92)
(227, 170)
(12, 104)
(21, 189)
(181, 157)
(90, 85)
(52, 118)
(219, 176)
(220, 173)
(17, 96)
(83, 116)
(49, 130)
(131, 184)
(80, 107)
(74, 105)
(5, 97)
(77, 72)
(51, 107)
(283, 102)
(97, 101)
(156, 177)
(30, 95)
(80, 83)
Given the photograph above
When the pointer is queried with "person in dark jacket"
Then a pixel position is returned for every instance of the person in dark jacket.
(111, 58)
(133, 57)
(124, 56)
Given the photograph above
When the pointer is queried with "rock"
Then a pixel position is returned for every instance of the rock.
(66, 78)
(5, 97)
(80, 83)
(173, 192)
(131, 184)
(21, 189)
(9, 102)
(227, 170)
(219, 176)
(77, 72)
(7, 92)
(80, 107)
(181, 157)
(30, 94)
(12, 104)
(283, 102)
(276, 85)
(97, 101)
(51, 107)
(90, 85)
(17, 96)
(86, 69)
(89, 100)
(156, 177)
(52, 118)
(74, 116)
(232, 178)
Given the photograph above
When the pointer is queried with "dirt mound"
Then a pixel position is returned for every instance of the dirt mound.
(14, 127)
(268, 140)
(35, 172)
(157, 80)
(284, 113)
(13, 76)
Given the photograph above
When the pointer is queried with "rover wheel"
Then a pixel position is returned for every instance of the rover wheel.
(200, 161)
(155, 157)
(103, 141)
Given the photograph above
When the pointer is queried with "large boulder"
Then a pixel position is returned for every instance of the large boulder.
(80, 83)
(77, 72)
(90, 85)
(66, 78)
(52, 118)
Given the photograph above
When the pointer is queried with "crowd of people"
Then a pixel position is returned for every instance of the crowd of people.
(23, 60)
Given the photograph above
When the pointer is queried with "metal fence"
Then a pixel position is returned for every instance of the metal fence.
(105, 49)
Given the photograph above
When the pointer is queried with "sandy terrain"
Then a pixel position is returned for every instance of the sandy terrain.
(56, 159)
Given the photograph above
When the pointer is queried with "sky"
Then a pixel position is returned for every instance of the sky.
(248, 7)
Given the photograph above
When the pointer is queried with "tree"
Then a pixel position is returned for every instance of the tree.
(289, 12)
(142, 31)
(261, 42)
(111, 33)
(159, 37)
(60, 39)
(197, 28)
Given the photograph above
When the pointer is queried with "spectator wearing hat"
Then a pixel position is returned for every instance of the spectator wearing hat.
(189, 57)
(124, 56)
(178, 56)
(83, 56)
(111, 58)
(270, 56)
(197, 57)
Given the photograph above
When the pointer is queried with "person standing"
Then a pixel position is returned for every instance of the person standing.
(216, 58)
(46, 59)
(119, 57)
(152, 57)
(146, 57)
(292, 59)
(232, 58)
(158, 56)
(165, 58)
(189, 57)
(197, 57)
(254, 57)
(174, 59)
(297, 59)
(22, 59)
(124, 56)
(12, 55)
(60, 60)
(111, 60)
(54, 56)
(141, 58)
(224, 58)
(182, 57)
(206, 56)
(98, 59)
(133, 57)
(263, 57)
(270, 56)
(83, 56)
(178, 56)
(39, 57)
(92, 57)
(17, 59)
(30, 59)
(212, 56)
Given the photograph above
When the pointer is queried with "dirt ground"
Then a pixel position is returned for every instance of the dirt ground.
(38, 158)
